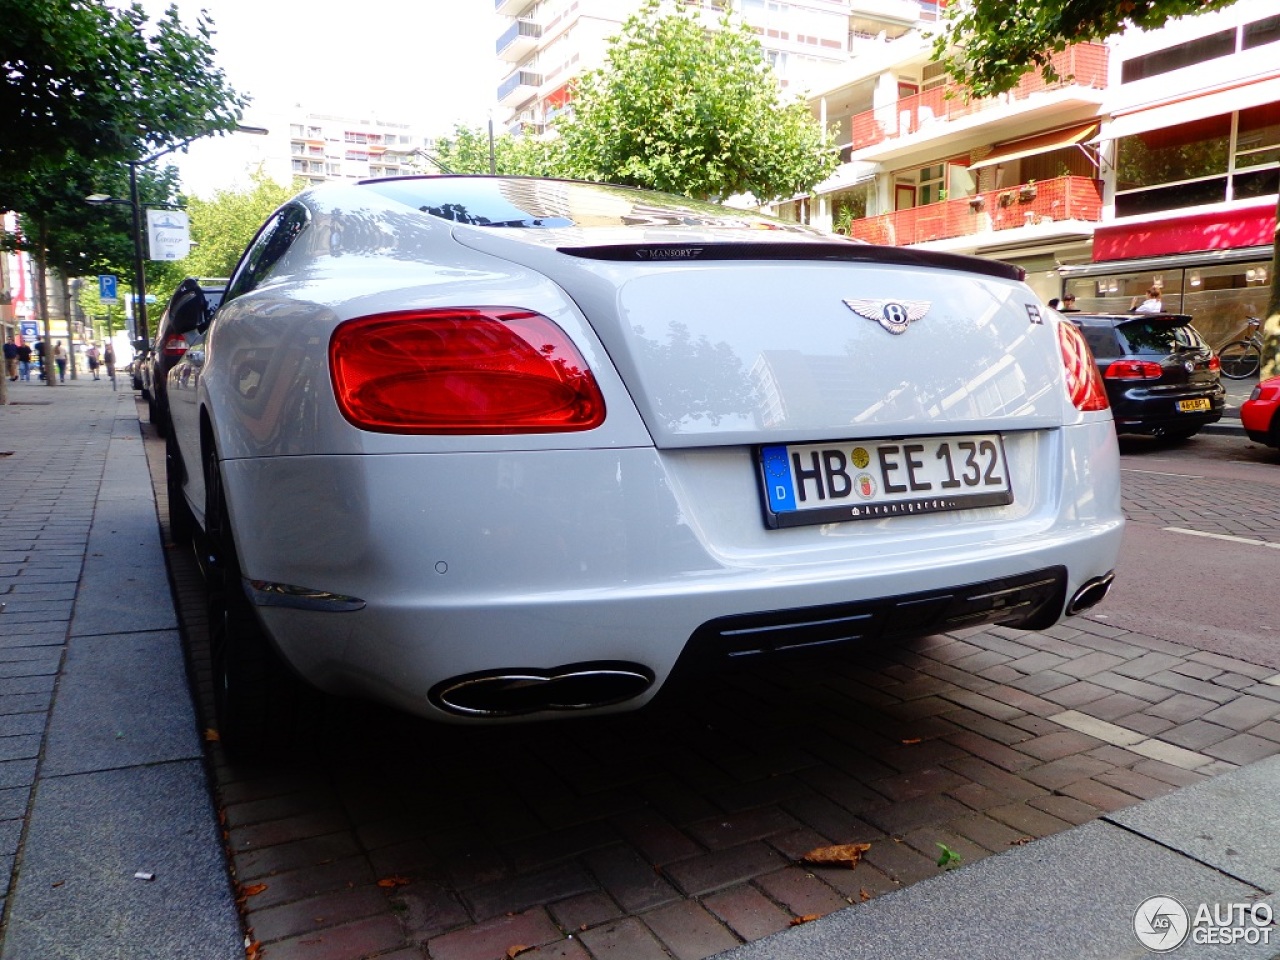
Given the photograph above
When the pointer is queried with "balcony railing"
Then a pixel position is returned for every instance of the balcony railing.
(1066, 198)
(1084, 65)
(518, 39)
(519, 84)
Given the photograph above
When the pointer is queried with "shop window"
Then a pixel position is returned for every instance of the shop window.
(1258, 136)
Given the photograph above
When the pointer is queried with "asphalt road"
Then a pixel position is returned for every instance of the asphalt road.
(1201, 558)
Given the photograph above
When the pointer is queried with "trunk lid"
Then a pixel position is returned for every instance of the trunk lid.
(730, 343)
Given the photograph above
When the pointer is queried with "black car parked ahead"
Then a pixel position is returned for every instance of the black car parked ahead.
(1161, 376)
(169, 347)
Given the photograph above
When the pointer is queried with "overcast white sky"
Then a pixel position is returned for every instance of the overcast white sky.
(428, 62)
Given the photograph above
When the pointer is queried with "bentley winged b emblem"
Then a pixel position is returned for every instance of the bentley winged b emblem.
(894, 315)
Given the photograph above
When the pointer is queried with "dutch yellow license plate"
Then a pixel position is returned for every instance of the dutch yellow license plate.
(1192, 406)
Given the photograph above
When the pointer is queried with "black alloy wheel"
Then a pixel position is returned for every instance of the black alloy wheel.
(246, 671)
(181, 523)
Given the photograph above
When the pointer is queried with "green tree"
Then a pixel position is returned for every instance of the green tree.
(987, 46)
(691, 110)
(86, 78)
(467, 151)
(223, 225)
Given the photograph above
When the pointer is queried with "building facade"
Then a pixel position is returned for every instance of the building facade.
(545, 44)
(326, 147)
(1154, 161)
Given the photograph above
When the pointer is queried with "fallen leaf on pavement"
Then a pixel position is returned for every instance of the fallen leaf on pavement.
(515, 951)
(864, 894)
(253, 889)
(391, 882)
(807, 918)
(212, 735)
(841, 855)
(911, 742)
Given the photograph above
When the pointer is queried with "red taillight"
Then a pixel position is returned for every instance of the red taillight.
(174, 345)
(1083, 381)
(1215, 364)
(462, 370)
(1134, 370)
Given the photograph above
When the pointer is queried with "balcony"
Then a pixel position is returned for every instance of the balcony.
(1084, 65)
(511, 8)
(520, 86)
(1027, 205)
(902, 11)
(519, 40)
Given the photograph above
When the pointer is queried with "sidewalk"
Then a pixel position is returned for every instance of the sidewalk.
(103, 777)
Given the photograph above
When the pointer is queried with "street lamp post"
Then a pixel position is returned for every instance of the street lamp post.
(139, 260)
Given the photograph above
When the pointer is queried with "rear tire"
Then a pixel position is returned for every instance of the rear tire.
(1240, 359)
(181, 523)
(252, 706)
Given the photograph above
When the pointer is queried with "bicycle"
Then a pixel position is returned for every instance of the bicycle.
(1241, 359)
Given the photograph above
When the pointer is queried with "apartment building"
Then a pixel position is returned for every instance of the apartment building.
(547, 43)
(326, 147)
(1153, 161)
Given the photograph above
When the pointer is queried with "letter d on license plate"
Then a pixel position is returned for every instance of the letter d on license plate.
(871, 479)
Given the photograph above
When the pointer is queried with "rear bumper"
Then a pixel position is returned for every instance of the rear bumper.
(473, 565)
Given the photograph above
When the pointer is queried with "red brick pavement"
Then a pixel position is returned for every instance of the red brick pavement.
(676, 833)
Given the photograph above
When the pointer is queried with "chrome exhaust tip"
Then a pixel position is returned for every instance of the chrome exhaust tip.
(519, 692)
(1090, 594)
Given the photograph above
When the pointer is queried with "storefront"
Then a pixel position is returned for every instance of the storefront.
(1216, 267)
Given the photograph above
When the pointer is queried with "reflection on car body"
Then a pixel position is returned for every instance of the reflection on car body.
(488, 448)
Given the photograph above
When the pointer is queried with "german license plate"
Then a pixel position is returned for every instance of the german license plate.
(868, 480)
(1191, 406)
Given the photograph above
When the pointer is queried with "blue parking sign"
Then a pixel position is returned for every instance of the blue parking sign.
(107, 288)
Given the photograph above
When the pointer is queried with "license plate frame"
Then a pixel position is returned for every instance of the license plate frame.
(932, 474)
(1195, 405)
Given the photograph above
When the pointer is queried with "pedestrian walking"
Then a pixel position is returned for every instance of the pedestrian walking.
(10, 358)
(109, 361)
(92, 356)
(24, 362)
(42, 359)
(60, 360)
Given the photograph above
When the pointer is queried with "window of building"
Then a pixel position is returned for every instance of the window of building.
(314, 133)
(1220, 44)
(1261, 32)
(1173, 167)
(931, 184)
(295, 130)
(1200, 162)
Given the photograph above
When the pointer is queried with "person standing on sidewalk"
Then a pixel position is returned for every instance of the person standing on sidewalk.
(24, 362)
(10, 358)
(109, 361)
(92, 356)
(60, 360)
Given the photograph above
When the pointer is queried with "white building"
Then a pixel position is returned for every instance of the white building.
(546, 43)
(327, 147)
(1156, 160)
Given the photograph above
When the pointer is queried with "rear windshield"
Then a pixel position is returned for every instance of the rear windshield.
(1158, 338)
(534, 203)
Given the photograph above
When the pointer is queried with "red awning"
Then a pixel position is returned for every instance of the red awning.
(1226, 230)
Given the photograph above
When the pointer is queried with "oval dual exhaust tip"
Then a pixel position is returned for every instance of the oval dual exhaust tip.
(520, 692)
(1090, 594)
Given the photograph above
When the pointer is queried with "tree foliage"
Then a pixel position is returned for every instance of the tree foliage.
(691, 110)
(467, 151)
(91, 80)
(987, 45)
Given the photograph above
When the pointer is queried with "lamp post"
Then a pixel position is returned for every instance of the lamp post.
(139, 260)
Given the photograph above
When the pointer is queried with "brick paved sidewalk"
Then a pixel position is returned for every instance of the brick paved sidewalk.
(676, 832)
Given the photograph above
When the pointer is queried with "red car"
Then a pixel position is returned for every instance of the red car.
(1260, 414)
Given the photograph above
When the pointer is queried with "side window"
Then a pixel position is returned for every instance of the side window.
(271, 243)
